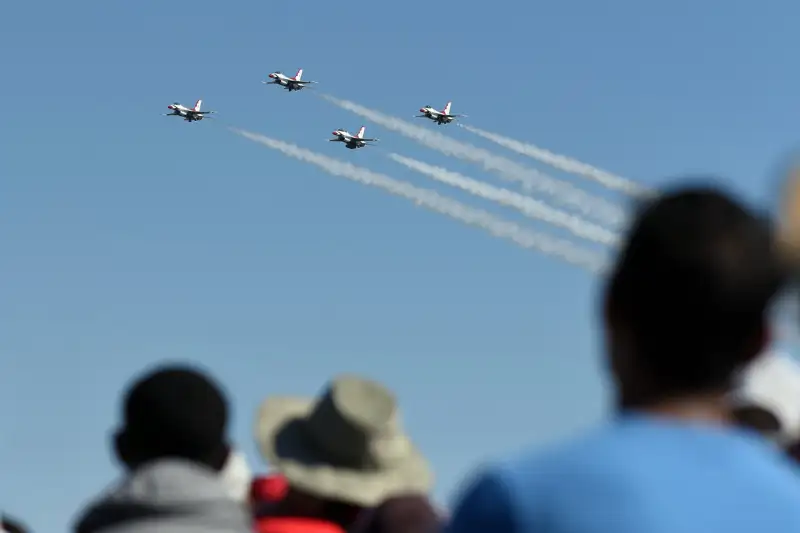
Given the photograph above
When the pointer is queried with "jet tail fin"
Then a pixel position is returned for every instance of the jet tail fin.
(361, 131)
(197, 105)
(446, 109)
(299, 75)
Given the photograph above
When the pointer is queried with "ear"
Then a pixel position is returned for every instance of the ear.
(122, 449)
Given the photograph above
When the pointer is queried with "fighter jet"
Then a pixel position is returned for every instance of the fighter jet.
(189, 115)
(290, 84)
(440, 117)
(352, 141)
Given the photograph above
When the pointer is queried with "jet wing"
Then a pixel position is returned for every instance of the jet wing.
(368, 140)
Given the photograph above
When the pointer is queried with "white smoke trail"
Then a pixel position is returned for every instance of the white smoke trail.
(567, 164)
(525, 204)
(432, 200)
(564, 192)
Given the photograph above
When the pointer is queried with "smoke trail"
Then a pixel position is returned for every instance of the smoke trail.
(435, 202)
(528, 206)
(567, 164)
(564, 192)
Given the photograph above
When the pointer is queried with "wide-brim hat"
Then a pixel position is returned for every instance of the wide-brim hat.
(345, 445)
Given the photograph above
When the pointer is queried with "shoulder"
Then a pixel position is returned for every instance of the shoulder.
(485, 504)
(515, 493)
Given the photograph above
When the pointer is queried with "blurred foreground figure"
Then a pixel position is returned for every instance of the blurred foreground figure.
(685, 308)
(768, 399)
(173, 444)
(341, 453)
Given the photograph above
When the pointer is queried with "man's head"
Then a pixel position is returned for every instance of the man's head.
(340, 452)
(174, 412)
(686, 305)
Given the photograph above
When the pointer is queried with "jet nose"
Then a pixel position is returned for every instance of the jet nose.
(272, 75)
(421, 109)
(335, 133)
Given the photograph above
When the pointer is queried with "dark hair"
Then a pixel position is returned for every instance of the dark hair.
(174, 411)
(693, 284)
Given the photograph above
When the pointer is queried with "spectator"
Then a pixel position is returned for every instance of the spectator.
(340, 453)
(685, 308)
(768, 399)
(173, 446)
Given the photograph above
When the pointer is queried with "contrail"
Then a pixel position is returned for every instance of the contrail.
(564, 192)
(432, 200)
(567, 164)
(525, 204)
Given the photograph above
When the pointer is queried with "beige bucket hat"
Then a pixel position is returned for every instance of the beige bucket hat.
(346, 445)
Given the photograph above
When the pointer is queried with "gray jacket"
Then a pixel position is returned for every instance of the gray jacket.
(169, 496)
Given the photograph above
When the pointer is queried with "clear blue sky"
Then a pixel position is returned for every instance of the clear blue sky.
(130, 237)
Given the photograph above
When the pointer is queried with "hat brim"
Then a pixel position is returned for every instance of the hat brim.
(283, 441)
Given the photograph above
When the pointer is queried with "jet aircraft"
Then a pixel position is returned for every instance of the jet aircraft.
(290, 84)
(189, 114)
(352, 141)
(440, 117)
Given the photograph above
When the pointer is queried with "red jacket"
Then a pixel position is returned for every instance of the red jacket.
(271, 488)
(283, 524)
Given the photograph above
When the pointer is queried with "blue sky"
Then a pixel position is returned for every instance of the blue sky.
(131, 237)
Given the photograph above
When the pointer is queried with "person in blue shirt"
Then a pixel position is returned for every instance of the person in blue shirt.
(684, 310)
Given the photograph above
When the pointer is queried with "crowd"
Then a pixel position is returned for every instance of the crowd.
(705, 436)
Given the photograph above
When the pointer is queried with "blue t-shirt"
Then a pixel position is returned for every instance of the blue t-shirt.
(639, 475)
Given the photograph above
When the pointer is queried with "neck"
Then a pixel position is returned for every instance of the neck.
(711, 408)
